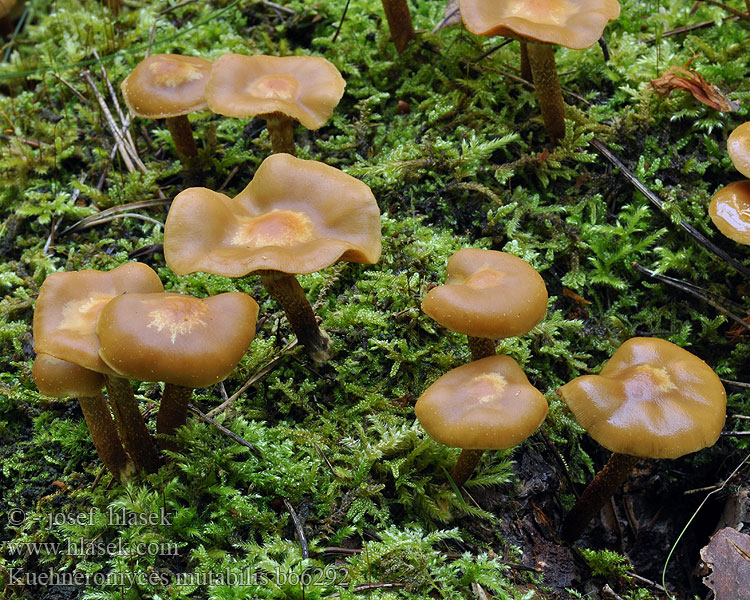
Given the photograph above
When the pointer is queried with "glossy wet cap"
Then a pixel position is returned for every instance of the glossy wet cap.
(68, 306)
(487, 404)
(488, 294)
(295, 216)
(571, 23)
(730, 211)
(175, 338)
(62, 379)
(305, 88)
(167, 85)
(652, 399)
(738, 148)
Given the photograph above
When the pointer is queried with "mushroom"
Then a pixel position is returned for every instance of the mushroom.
(65, 328)
(169, 86)
(399, 23)
(738, 148)
(185, 342)
(652, 399)
(62, 379)
(487, 295)
(575, 24)
(295, 217)
(487, 404)
(730, 211)
(279, 90)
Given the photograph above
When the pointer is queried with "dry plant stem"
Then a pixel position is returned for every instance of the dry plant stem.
(281, 131)
(172, 412)
(104, 433)
(399, 23)
(606, 483)
(467, 462)
(525, 65)
(544, 73)
(182, 136)
(287, 291)
(135, 437)
(481, 347)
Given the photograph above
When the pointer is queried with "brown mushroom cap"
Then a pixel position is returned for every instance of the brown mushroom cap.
(488, 294)
(62, 379)
(167, 85)
(738, 148)
(487, 404)
(69, 304)
(730, 211)
(652, 399)
(572, 23)
(176, 338)
(305, 88)
(295, 216)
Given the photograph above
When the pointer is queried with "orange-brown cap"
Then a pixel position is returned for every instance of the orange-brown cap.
(175, 338)
(738, 147)
(69, 304)
(730, 211)
(295, 216)
(487, 404)
(488, 294)
(167, 85)
(305, 88)
(62, 379)
(571, 23)
(652, 399)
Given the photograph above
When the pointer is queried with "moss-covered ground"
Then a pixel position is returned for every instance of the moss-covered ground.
(464, 163)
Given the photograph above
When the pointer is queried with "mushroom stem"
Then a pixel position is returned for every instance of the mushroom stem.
(281, 131)
(399, 23)
(544, 73)
(182, 136)
(132, 428)
(172, 412)
(467, 462)
(525, 65)
(104, 433)
(606, 483)
(481, 347)
(287, 291)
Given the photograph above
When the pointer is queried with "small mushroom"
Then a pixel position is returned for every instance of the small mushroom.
(62, 379)
(540, 24)
(185, 342)
(487, 404)
(652, 399)
(738, 148)
(730, 211)
(169, 86)
(487, 295)
(65, 327)
(295, 217)
(279, 90)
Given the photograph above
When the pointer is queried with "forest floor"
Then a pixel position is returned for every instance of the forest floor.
(451, 142)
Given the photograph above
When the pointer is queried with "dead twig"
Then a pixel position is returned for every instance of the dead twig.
(229, 433)
(730, 9)
(298, 528)
(101, 217)
(687, 28)
(370, 586)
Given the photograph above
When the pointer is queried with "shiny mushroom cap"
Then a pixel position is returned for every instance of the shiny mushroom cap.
(62, 379)
(176, 338)
(69, 304)
(652, 399)
(305, 88)
(295, 216)
(487, 404)
(488, 294)
(730, 211)
(738, 147)
(571, 23)
(167, 85)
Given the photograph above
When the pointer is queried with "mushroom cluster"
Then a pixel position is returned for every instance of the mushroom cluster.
(730, 206)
